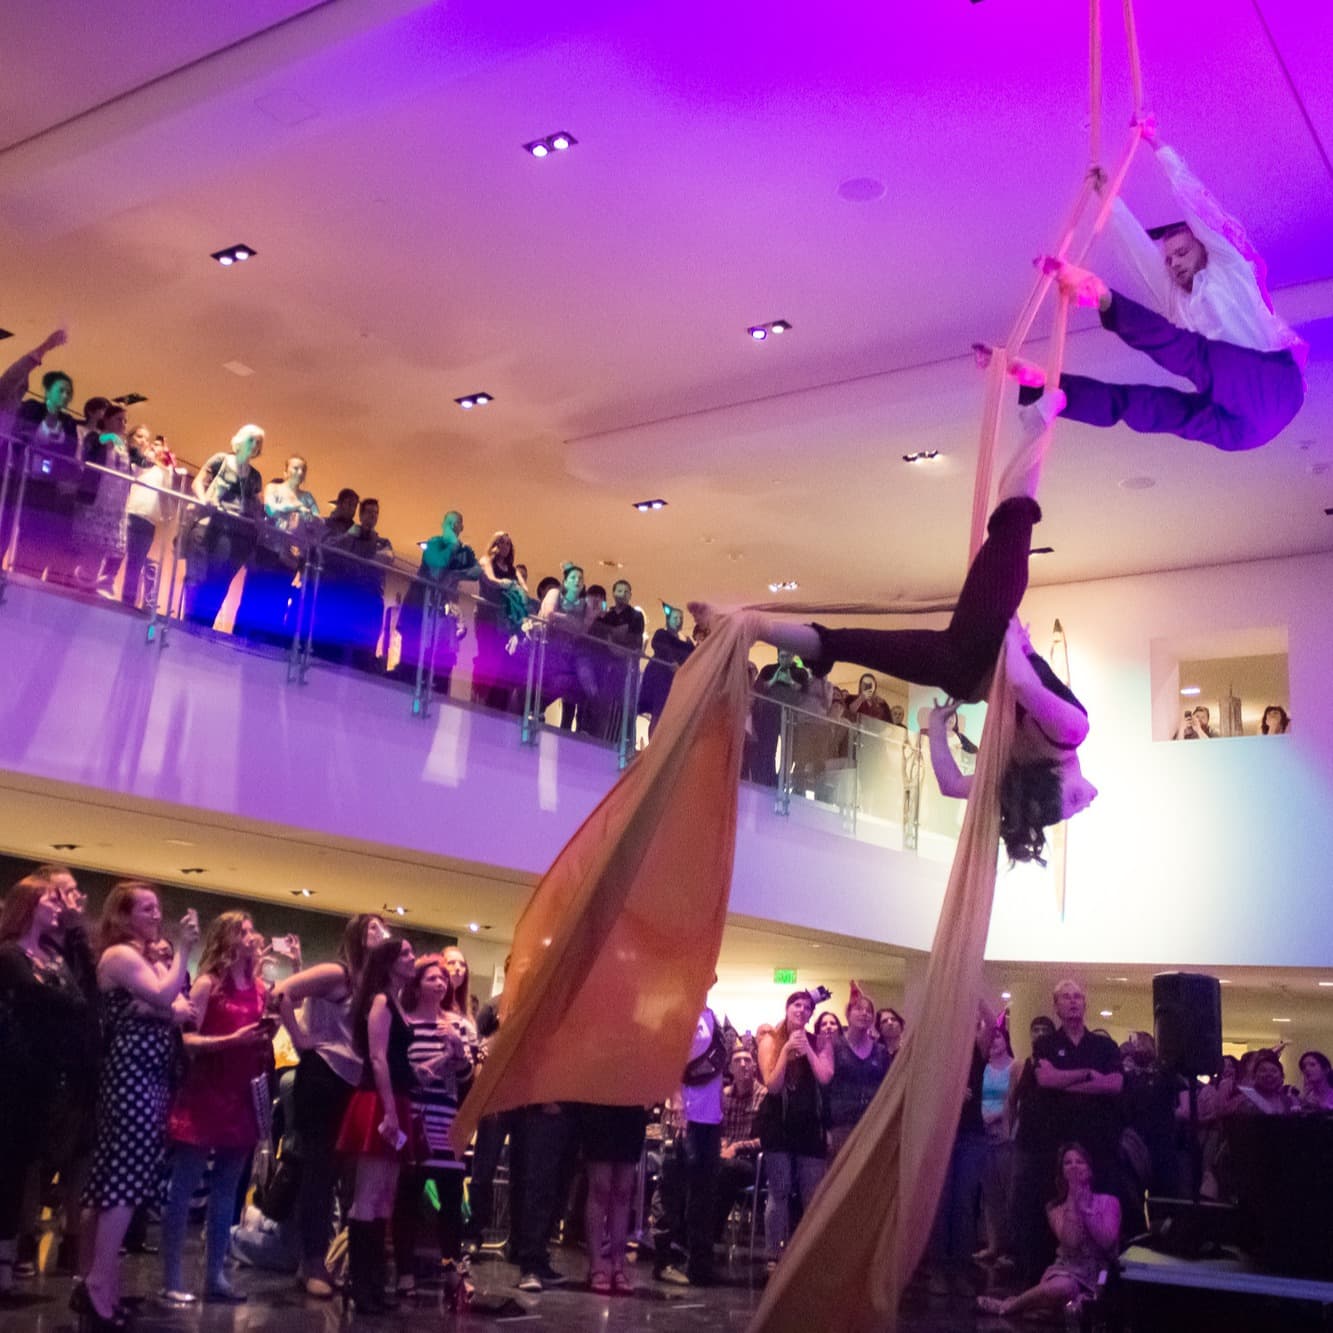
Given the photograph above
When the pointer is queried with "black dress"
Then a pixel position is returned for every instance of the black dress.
(132, 1105)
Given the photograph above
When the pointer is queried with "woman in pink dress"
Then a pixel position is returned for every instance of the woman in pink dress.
(213, 1113)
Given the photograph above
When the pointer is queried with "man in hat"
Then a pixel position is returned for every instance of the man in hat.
(1212, 322)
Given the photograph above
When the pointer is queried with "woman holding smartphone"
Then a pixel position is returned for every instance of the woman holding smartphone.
(139, 1006)
(378, 1117)
(214, 1113)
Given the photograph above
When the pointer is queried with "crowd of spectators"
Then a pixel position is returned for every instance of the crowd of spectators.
(136, 1088)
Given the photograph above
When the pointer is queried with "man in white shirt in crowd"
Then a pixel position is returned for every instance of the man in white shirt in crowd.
(1213, 324)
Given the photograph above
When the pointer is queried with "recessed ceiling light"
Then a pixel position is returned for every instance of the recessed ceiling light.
(1282, 1020)
(646, 506)
(1005, 995)
(129, 399)
(178, 842)
(612, 564)
(1117, 978)
(5, 333)
(1138, 483)
(237, 368)
(1107, 1013)
(303, 893)
(474, 926)
(192, 870)
(861, 190)
(1189, 691)
(780, 326)
(921, 456)
(471, 400)
(394, 909)
(233, 254)
(1223, 981)
(64, 846)
(760, 332)
(787, 585)
(1042, 550)
(559, 142)
(1324, 983)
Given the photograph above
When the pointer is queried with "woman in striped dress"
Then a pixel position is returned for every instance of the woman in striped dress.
(439, 1059)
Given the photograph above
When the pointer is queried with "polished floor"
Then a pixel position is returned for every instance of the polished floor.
(40, 1306)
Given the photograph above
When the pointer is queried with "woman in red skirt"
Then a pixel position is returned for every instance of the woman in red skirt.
(376, 1126)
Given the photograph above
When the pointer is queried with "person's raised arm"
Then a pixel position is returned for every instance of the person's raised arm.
(124, 966)
(323, 981)
(821, 1060)
(951, 779)
(1211, 224)
(773, 1062)
(1061, 722)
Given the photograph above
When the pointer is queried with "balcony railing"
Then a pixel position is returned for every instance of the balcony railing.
(326, 608)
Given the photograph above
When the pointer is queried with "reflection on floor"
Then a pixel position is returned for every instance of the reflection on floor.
(41, 1306)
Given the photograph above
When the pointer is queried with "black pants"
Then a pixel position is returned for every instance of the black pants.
(735, 1176)
(1033, 1186)
(139, 534)
(537, 1152)
(491, 1135)
(219, 546)
(319, 1099)
(959, 659)
(265, 598)
(689, 1193)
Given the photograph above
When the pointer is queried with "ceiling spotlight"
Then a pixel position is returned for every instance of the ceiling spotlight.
(394, 909)
(64, 846)
(303, 893)
(129, 399)
(233, 254)
(644, 506)
(1324, 983)
(1191, 690)
(758, 332)
(192, 870)
(1005, 995)
(1042, 550)
(474, 926)
(1282, 1020)
(786, 585)
(921, 456)
(470, 400)
(780, 326)
(1106, 1013)
(559, 142)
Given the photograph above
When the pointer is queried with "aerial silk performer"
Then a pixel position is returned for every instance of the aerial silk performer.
(1043, 783)
(1211, 322)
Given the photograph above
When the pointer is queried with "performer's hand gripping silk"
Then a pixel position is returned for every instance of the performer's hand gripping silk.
(1044, 784)
(1212, 323)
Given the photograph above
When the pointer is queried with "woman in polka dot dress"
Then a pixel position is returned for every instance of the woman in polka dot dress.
(140, 1006)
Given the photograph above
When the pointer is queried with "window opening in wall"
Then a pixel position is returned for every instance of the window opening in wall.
(1220, 687)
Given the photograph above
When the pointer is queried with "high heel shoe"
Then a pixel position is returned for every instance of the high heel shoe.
(458, 1288)
(91, 1320)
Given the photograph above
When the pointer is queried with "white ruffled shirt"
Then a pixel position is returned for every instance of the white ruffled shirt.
(1228, 300)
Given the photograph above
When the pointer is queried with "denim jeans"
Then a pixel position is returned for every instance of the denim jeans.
(187, 1170)
(781, 1171)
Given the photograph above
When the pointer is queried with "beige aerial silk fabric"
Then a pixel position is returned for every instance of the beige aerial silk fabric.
(856, 1248)
(614, 954)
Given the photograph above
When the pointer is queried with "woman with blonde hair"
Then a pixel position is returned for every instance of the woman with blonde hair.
(139, 1006)
(214, 1112)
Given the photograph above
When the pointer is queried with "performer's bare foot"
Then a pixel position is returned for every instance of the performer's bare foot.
(1082, 285)
(1028, 373)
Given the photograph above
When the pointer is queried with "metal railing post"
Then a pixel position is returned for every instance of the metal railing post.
(782, 806)
(532, 701)
(629, 707)
(430, 630)
(4, 500)
(10, 553)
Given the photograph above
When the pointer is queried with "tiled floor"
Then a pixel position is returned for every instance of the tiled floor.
(275, 1304)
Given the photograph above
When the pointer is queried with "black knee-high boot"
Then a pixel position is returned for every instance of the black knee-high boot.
(364, 1288)
(379, 1262)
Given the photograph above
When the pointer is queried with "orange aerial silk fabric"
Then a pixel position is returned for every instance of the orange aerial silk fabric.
(614, 954)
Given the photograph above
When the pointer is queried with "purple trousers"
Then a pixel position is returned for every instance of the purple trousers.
(1243, 399)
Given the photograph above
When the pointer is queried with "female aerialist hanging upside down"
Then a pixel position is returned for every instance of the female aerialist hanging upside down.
(1213, 324)
(1044, 783)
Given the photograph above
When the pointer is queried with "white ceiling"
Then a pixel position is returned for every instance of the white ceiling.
(410, 252)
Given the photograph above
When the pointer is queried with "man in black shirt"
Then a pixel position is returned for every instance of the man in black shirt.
(1032, 1167)
(622, 625)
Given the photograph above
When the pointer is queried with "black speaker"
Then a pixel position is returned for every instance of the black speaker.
(1187, 1014)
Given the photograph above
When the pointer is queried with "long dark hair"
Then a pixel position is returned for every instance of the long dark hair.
(352, 950)
(1283, 724)
(1030, 799)
(19, 906)
(1061, 1184)
(376, 978)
